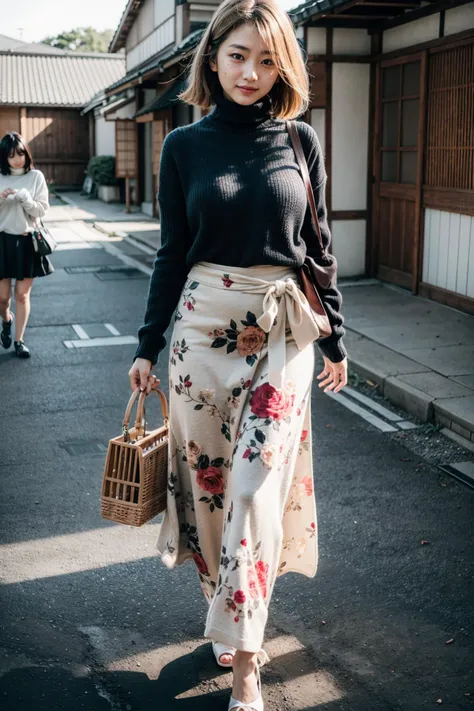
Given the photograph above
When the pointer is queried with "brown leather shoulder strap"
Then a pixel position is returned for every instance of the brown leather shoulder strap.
(298, 148)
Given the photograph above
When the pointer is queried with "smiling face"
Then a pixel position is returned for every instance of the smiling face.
(244, 60)
(16, 159)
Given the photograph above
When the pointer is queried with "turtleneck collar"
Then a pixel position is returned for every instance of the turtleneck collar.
(16, 171)
(230, 111)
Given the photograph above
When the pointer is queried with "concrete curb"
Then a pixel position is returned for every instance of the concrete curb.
(387, 368)
(65, 199)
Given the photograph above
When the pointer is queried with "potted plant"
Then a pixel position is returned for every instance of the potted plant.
(102, 171)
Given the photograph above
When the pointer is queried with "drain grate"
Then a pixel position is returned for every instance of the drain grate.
(124, 273)
(108, 272)
(83, 270)
(80, 448)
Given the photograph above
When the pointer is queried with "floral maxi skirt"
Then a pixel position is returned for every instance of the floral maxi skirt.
(241, 501)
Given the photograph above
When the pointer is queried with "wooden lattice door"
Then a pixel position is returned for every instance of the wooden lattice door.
(398, 154)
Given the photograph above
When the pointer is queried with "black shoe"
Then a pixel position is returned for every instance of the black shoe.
(21, 350)
(6, 333)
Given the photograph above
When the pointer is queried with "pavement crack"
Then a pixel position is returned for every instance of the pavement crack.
(101, 677)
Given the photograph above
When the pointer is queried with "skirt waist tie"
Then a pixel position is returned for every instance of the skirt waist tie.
(283, 303)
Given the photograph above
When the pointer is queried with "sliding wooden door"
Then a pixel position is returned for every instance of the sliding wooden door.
(398, 157)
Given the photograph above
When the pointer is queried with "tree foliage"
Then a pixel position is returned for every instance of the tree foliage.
(82, 39)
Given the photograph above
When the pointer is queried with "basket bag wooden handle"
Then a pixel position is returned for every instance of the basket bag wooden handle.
(140, 420)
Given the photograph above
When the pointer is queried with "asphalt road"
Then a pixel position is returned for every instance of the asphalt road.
(90, 619)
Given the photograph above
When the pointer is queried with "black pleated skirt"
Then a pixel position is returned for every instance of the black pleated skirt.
(18, 259)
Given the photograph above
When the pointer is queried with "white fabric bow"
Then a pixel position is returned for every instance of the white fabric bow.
(283, 300)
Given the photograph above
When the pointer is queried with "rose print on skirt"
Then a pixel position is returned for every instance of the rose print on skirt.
(240, 504)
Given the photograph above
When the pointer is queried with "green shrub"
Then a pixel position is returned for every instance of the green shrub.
(102, 170)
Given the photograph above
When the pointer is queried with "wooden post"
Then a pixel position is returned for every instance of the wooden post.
(418, 227)
(127, 194)
(370, 266)
(328, 126)
(23, 123)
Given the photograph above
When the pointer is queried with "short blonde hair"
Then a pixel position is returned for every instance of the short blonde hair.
(290, 93)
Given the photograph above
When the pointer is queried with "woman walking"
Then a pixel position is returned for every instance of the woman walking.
(234, 224)
(23, 199)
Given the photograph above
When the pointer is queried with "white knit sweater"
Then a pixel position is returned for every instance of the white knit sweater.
(18, 211)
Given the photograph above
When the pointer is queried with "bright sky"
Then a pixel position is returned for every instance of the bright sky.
(32, 20)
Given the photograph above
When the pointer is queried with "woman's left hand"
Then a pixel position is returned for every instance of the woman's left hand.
(335, 374)
(23, 195)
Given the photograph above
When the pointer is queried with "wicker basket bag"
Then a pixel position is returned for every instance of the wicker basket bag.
(135, 477)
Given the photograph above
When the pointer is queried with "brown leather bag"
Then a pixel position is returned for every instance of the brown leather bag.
(311, 275)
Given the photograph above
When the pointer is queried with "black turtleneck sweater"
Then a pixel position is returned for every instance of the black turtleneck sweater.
(230, 192)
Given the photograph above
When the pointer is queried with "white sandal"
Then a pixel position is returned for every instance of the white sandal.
(256, 705)
(219, 649)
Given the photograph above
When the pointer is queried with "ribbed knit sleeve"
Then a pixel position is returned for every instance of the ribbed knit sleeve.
(332, 346)
(35, 203)
(169, 268)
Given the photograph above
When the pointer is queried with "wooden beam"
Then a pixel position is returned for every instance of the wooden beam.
(145, 118)
(348, 215)
(424, 11)
(60, 161)
(381, 3)
(420, 143)
(343, 23)
(449, 199)
(348, 58)
(328, 123)
(343, 16)
(377, 3)
(450, 298)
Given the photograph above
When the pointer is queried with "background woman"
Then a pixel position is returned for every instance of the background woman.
(234, 223)
(23, 198)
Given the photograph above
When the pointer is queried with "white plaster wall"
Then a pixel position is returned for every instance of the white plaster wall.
(127, 111)
(423, 30)
(162, 10)
(346, 41)
(318, 117)
(316, 40)
(348, 246)
(459, 18)
(350, 135)
(448, 251)
(104, 137)
(145, 20)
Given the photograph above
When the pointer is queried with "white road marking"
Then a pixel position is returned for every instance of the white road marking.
(367, 416)
(107, 341)
(112, 329)
(407, 425)
(387, 414)
(129, 261)
(80, 332)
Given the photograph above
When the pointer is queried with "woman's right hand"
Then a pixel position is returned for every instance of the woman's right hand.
(140, 377)
(7, 192)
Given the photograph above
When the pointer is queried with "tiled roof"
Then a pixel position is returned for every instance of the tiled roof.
(188, 43)
(9, 43)
(50, 80)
